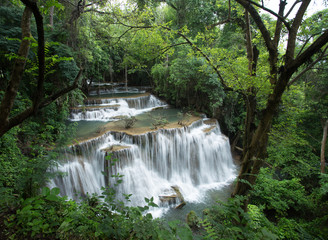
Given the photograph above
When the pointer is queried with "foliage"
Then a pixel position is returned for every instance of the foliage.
(25, 156)
(297, 215)
(188, 82)
(50, 216)
(129, 121)
(324, 185)
(10, 167)
(9, 29)
(229, 221)
(283, 197)
(158, 121)
(290, 192)
(184, 118)
(29, 220)
(293, 149)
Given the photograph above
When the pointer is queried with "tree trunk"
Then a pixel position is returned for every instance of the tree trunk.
(126, 76)
(256, 153)
(249, 47)
(51, 16)
(250, 96)
(18, 69)
(111, 70)
(323, 146)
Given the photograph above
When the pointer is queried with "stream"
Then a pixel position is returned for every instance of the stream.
(189, 152)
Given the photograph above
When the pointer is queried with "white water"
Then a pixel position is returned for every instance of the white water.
(189, 157)
(107, 109)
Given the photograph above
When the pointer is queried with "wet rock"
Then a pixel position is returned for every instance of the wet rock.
(115, 148)
(179, 196)
(211, 121)
(173, 197)
(170, 200)
(207, 130)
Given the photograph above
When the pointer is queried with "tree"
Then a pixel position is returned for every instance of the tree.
(281, 73)
(39, 100)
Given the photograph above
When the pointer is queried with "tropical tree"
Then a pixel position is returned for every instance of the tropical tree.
(39, 100)
(282, 69)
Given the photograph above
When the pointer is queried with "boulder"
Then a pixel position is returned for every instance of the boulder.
(173, 197)
(179, 196)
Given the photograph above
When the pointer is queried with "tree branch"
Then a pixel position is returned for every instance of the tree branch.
(323, 147)
(163, 50)
(277, 33)
(322, 55)
(310, 51)
(218, 23)
(222, 22)
(280, 17)
(119, 38)
(292, 8)
(56, 95)
(260, 24)
(205, 56)
(306, 41)
(291, 43)
(19, 118)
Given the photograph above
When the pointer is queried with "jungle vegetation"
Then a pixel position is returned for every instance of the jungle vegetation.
(262, 74)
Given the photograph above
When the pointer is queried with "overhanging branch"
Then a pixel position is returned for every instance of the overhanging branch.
(322, 55)
(310, 51)
(19, 118)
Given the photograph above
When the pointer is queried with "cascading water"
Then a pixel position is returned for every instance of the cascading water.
(187, 157)
(107, 109)
(195, 158)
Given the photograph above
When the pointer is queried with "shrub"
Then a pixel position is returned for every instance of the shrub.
(158, 121)
(49, 216)
(129, 121)
(230, 221)
(285, 196)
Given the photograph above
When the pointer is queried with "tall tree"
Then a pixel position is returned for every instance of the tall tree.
(282, 69)
(39, 100)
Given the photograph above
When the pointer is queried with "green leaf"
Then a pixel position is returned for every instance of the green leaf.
(55, 191)
(52, 198)
(45, 191)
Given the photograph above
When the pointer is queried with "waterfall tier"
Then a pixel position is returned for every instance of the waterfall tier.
(107, 109)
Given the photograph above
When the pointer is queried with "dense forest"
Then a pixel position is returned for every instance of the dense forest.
(262, 73)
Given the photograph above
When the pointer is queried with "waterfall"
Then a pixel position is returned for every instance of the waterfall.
(108, 108)
(187, 157)
(195, 158)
